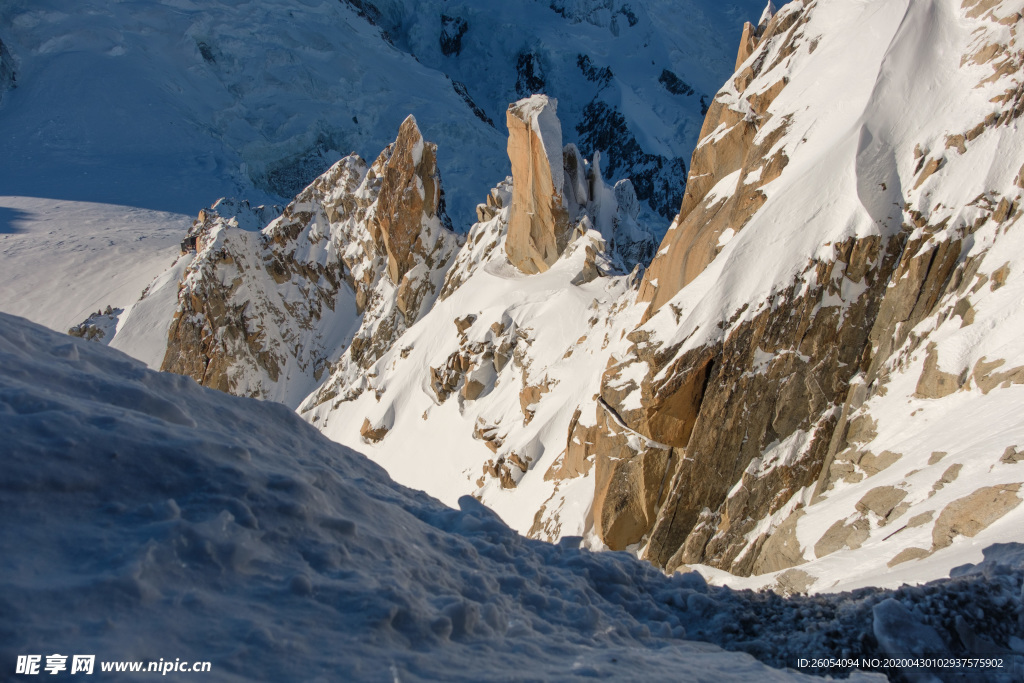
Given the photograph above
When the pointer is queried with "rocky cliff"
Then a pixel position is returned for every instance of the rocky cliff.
(820, 293)
(350, 264)
(538, 224)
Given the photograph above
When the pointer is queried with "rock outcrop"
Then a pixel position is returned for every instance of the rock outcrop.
(538, 224)
(556, 193)
(350, 264)
(99, 326)
(759, 366)
(736, 156)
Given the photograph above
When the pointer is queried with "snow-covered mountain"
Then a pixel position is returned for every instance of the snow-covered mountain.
(814, 386)
(147, 519)
(171, 105)
(831, 337)
(838, 275)
(141, 113)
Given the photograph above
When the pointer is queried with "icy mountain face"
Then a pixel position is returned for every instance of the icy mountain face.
(830, 358)
(7, 75)
(255, 99)
(353, 260)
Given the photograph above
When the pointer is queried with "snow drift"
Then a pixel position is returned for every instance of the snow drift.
(146, 517)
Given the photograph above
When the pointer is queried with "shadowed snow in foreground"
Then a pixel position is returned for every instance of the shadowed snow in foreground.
(145, 517)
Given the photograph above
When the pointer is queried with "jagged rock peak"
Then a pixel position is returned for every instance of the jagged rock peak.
(352, 261)
(539, 226)
(752, 35)
(410, 196)
(734, 159)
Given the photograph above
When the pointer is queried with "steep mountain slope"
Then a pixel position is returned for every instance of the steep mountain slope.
(196, 526)
(831, 348)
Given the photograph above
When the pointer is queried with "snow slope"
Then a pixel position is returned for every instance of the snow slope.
(200, 525)
(535, 345)
(62, 260)
(145, 517)
(916, 141)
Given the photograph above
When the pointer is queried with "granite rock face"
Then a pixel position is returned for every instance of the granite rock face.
(764, 402)
(350, 264)
(538, 226)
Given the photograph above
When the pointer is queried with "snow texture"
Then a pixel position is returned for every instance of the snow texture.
(146, 517)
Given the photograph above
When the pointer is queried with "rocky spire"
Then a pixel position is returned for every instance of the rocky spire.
(539, 226)
(410, 195)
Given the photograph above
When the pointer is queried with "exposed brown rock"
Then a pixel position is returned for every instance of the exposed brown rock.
(928, 169)
(948, 477)
(529, 396)
(472, 389)
(999, 276)
(748, 43)
(782, 549)
(464, 323)
(538, 227)
(370, 433)
(880, 500)
(627, 482)
(964, 309)
(841, 535)
(872, 464)
(409, 194)
(921, 519)
(935, 383)
(862, 429)
(987, 378)
(578, 457)
(976, 8)
(741, 413)
(971, 514)
(500, 469)
(1012, 456)
(794, 582)
(488, 433)
(908, 554)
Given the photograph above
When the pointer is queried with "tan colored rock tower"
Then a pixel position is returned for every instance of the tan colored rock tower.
(538, 228)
